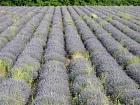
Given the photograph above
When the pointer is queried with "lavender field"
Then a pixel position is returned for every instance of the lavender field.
(70, 55)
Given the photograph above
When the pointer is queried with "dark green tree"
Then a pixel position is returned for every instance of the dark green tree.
(67, 2)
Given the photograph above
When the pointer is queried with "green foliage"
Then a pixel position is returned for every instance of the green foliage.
(66, 2)
(4, 68)
(23, 73)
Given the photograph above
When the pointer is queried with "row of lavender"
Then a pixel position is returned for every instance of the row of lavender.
(20, 60)
(117, 82)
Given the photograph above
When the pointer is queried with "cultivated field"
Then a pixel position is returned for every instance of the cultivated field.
(70, 55)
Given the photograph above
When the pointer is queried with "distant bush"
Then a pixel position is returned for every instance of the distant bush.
(67, 2)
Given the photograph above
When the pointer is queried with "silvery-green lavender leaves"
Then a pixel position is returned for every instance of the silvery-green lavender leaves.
(69, 55)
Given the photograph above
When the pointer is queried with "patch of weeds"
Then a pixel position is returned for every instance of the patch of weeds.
(23, 73)
(4, 68)
(109, 18)
(75, 100)
(94, 16)
(125, 16)
(13, 30)
(103, 23)
(134, 60)
(80, 55)
(103, 79)
(15, 17)
(117, 100)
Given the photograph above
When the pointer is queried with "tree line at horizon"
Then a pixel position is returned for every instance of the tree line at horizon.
(67, 2)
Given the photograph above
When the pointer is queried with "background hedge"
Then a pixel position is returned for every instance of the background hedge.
(67, 2)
